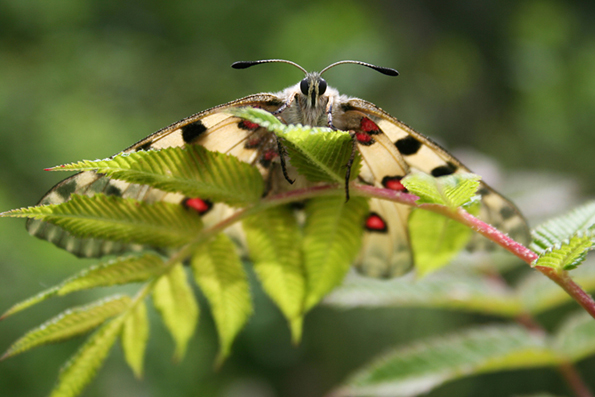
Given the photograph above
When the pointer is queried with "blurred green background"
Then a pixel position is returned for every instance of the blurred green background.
(509, 85)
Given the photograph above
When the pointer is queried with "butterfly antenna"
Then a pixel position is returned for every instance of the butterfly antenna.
(387, 71)
(247, 64)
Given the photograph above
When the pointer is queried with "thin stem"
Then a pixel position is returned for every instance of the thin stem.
(560, 277)
(574, 380)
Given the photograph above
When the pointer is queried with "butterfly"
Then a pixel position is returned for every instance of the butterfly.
(389, 150)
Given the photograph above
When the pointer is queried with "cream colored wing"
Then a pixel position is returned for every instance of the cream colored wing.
(214, 129)
(390, 150)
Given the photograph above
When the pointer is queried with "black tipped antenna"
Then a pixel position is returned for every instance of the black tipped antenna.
(247, 64)
(387, 71)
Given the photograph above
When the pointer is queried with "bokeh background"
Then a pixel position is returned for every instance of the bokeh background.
(509, 85)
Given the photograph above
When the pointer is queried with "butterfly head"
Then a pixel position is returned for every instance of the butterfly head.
(311, 93)
(312, 87)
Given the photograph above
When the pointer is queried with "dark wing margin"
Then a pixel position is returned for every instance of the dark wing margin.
(214, 129)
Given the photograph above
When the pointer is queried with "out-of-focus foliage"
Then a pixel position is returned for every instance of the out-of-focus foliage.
(86, 78)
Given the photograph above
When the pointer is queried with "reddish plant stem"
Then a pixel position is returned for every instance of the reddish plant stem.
(574, 380)
(560, 277)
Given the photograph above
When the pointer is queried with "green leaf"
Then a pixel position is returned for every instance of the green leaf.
(574, 337)
(538, 293)
(568, 255)
(123, 270)
(112, 218)
(332, 238)
(451, 190)
(319, 153)
(557, 231)
(191, 170)
(174, 300)
(424, 366)
(83, 366)
(446, 289)
(435, 240)
(68, 324)
(135, 335)
(221, 277)
(274, 241)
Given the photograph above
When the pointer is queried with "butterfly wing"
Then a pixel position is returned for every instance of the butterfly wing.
(390, 150)
(214, 129)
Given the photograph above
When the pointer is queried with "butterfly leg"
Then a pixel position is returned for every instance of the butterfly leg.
(329, 117)
(350, 164)
(282, 153)
(284, 106)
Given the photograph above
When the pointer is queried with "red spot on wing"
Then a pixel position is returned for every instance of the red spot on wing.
(269, 155)
(375, 223)
(364, 138)
(248, 125)
(199, 205)
(369, 126)
(393, 183)
(253, 143)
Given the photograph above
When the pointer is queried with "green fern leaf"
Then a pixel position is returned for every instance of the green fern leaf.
(135, 335)
(175, 301)
(261, 117)
(422, 367)
(568, 255)
(557, 231)
(319, 153)
(191, 170)
(274, 241)
(83, 366)
(332, 238)
(435, 240)
(221, 277)
(112, 218)
(69, 324)
(574, 337)
(447, 289)
(123, 270)
(451, 190)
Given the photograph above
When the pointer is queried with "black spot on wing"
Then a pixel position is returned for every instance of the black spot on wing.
(408, 145)
(66, 188)
(274, 102)
(192, 131)
(443, 170)
(113, 191)
(346, 107)
(145, 146)
(507, 212)
(483, 191)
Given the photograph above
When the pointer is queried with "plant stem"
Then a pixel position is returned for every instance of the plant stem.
(560, 277)
(574, 380)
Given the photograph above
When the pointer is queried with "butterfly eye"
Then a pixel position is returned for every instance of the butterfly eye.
(321, 86)
(304, 86)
